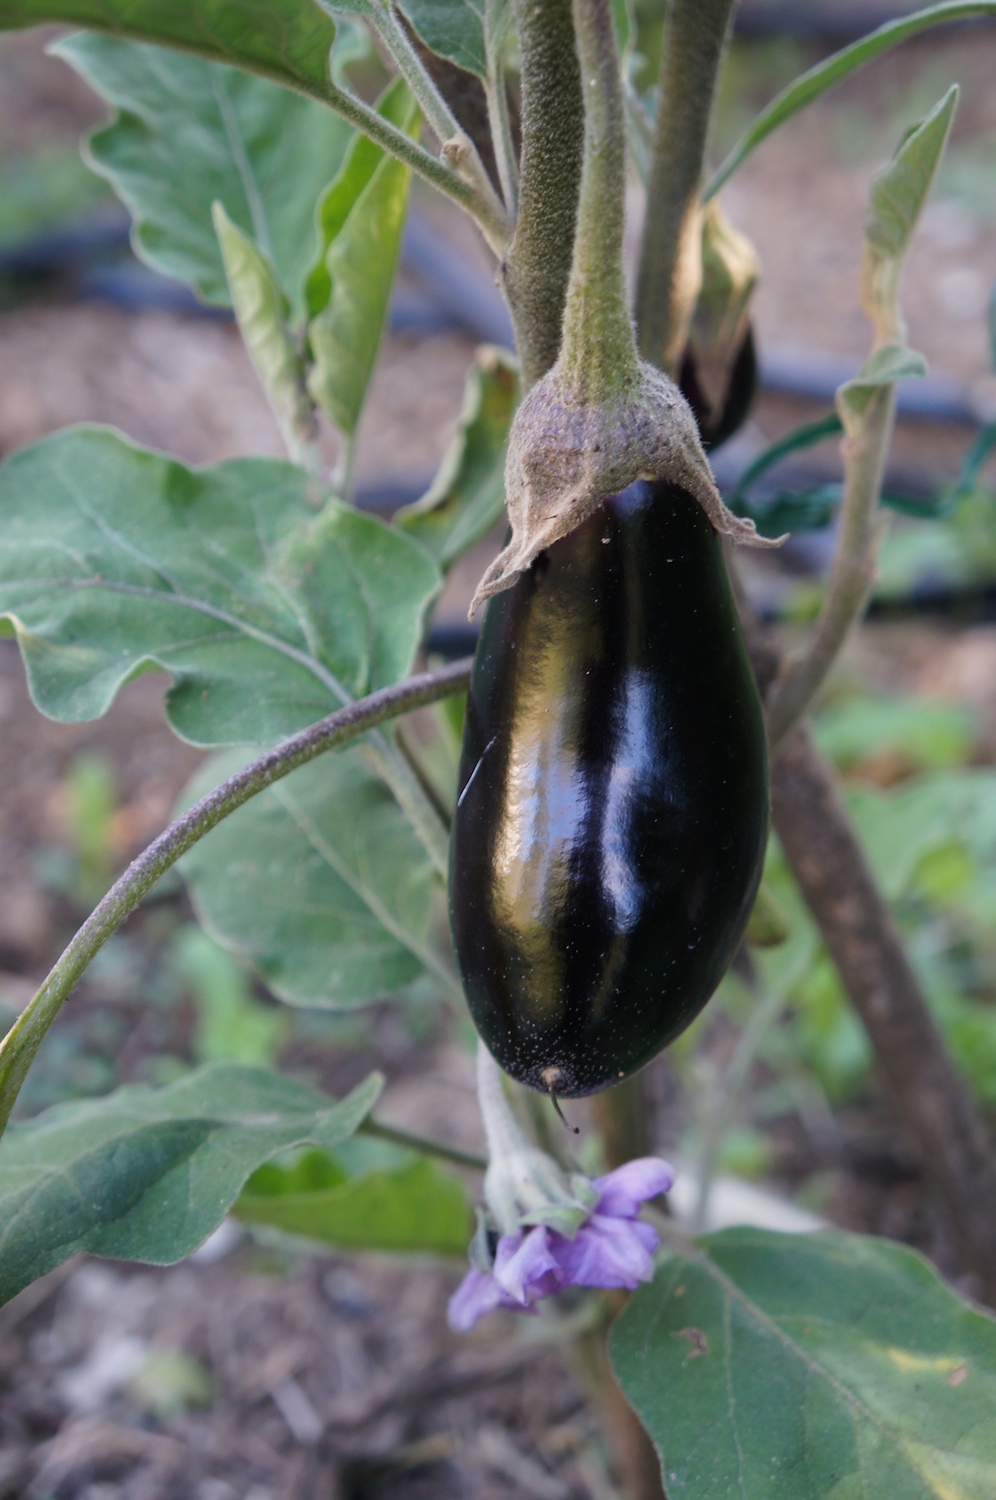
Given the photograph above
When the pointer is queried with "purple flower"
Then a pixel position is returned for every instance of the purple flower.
(613, 1248)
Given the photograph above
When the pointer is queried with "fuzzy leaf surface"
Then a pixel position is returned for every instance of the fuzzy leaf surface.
(359, 265)
(339, 199)
(815, 1367)
(262, 608)
(262, 311)
(190, 133)
(147, 1174)
(453, 29)
(286, 40)
(319, 881)
(900, 190)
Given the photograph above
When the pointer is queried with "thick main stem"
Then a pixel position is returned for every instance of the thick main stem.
(19, 1046)
(929, 1098)
(670, 259)
(536, 269)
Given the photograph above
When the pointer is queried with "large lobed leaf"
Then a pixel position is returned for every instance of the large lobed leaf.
(147, 1174)
(286, 40)
(265, 610)
(320, 882)
(818, 1367)
(190, 133)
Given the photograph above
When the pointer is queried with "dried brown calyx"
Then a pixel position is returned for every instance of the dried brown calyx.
(567, 452)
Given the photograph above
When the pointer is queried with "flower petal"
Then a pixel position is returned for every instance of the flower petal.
(522, 1261)
(477, 1294)
(608, 1252)
(621, 1192)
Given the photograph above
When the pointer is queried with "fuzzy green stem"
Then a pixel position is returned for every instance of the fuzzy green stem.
(670, 259)
(538, 264)
(397, 1137)
(478, 200)
(458, 148)
(598, 356)
(852, 574)
(496, 95)
(19, 1046)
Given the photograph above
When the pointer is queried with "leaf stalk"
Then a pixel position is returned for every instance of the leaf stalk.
(20, 1045)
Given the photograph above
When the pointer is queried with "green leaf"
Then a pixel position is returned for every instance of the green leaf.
(340, 197)
(360, 264)
(927, 735)
(115, 560)
(286, 40)
(147, 1174)
(414, 1207)
(900, 190)
(810, 85)
(453, 29)
(262, 311)
(320, 882)
(467, 496)
(190, 133)
(882, 368)
(901, 827)
(811, 1367)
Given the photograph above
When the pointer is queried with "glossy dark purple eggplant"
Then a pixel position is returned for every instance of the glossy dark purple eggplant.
(613, 807)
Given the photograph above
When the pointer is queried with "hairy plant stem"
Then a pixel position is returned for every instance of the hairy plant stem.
(22, 1041)
(538, 264)
(476, 198)
(458, 147)
(670, 259)
(852, 573)
(398, 1137)
(496, 19)
(598, 355)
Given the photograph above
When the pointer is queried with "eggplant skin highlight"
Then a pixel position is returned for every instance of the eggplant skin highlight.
(612, 812)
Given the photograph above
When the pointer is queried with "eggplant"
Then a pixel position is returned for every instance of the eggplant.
(612, 810)
(741, 388)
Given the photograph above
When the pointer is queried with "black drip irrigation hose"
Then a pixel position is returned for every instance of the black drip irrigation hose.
(442, 291)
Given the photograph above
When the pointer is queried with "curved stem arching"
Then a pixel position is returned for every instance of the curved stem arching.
(19, 1046)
